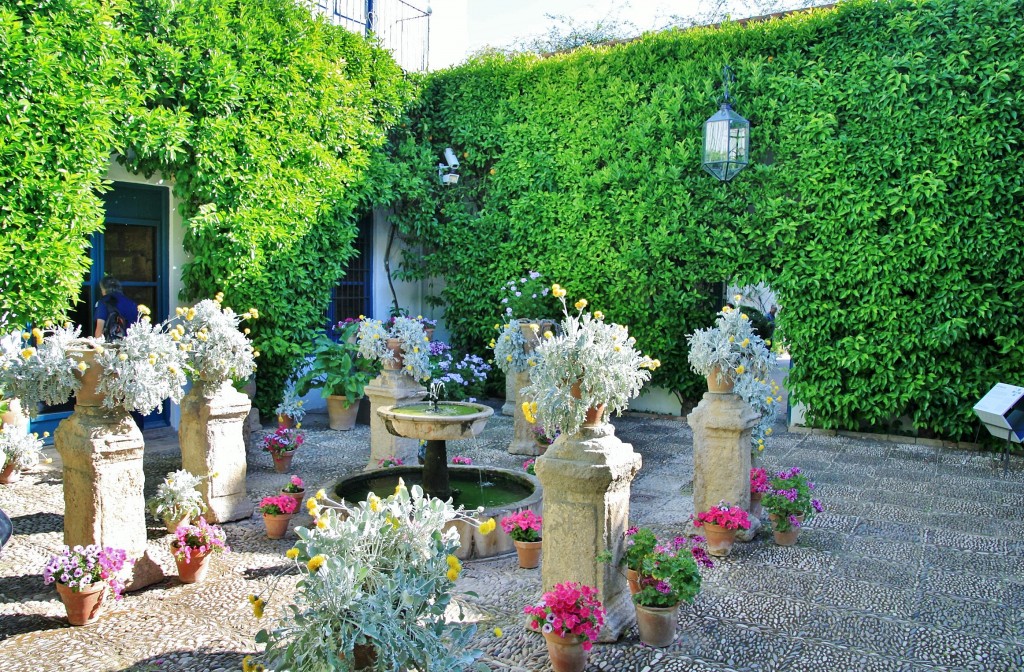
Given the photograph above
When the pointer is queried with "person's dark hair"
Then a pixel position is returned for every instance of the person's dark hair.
(110, 285)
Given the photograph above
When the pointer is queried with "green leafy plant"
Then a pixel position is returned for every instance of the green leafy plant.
(788, 498)
(336, 367)
(669, 573)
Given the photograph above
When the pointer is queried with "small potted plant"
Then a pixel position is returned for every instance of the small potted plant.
(720, 524)
(20, 451)
(192, 547)
(758, 486)
(177, 501)
(392, 461)
(83, 575)
(290, 411)
(524, 528)
(295, 489)
(640, 541)
(570, 617)
(282, 445)
(402, 345)
(668, 577)
(461, 459)
(277, 512)
(789, 504)
(530, 466)
(340, 373)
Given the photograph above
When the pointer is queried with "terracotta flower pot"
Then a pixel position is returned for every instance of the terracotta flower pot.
(173, 525)
(340, 417)
(10, 473)
(719, 539)
(297, 496)
(787, 538)
(719, 387)
(396, 364)
(365, 656)
(566, 653)
(633, 581)
(87, 394)
(194, 569)
(83, 606)
(657, 625)
(283, 461)
(285, 421)
(277, 524)
(594, 415)
(529, 553)
(755, 504)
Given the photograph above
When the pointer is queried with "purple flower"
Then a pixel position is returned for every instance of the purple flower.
(817, 506)
(533, 275)
(794, 521)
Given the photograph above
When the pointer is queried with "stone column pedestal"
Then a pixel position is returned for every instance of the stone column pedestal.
(101, 451)
(586, 479)
(212, 435)
(509, 407)
(389, 388)
(523, 442)
(721, 425)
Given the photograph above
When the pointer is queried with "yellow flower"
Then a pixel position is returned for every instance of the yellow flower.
(311, 506)
(394, 522)
(416, 349)
(497, 326)
(144, 310)
(740, 369)
(320, 494)
(769, 399)
(291, 553)
(598, 315)
(248, 665)
(25, 336)
(28, 352)
(257, 606)
(374, 502)
(453, 574)
(255, 313)
(744, 316)
(179, 311)
(778, 398)
(736, 298)
(99, 349)
(726, 309)
(82, 366)
(498, 632)
(768, 432)
(508, 358)
(768, 342)
(247, 331)
(321, 523)
(529, 409)
(548, 334)
(760, 447)
(453, 561)
(557, 291)
(534, 327)
(315, 562)
(219, 297)
(487, 526)
(401, 485)
(491, 344)
(745, 343)
(581, 304)
(191, 314)
(38, 335)
(532, 362)
(732, 339)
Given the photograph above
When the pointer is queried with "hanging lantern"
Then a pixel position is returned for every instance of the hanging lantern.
(726, 138)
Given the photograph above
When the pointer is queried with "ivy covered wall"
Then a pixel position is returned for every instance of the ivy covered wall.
(885, 205)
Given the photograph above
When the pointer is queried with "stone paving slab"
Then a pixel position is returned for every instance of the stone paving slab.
(916, 565)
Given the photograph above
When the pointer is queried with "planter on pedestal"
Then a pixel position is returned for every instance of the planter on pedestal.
(724, 387)
(339, 416)
(529, 553)
(566, 653)
(82, 606)
(657, 625)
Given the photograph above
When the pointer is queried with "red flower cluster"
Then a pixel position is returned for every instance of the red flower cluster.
(570, 610)
(283, 440)
(758, 480)
(725, 515)
(522, 525)
(278, 505)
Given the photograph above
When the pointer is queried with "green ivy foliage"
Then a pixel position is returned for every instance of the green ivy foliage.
(59, 65)
(883, 203)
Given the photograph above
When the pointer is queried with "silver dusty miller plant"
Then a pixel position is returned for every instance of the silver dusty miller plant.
(37, 366)
(217, 349)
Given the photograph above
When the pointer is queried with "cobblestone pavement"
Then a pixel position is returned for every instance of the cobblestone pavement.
(917, 564)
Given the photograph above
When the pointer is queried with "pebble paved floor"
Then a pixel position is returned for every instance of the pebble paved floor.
(917, 564)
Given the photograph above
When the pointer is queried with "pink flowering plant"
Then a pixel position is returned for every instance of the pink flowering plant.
(530, 466)
(79, 568)
(460, 459)
(282, 441)
(788, 498)
(278, 505)
(640, 541)
(669, 574)
(198, 540)
(390, 462)
(570, 610)
(724, 515)
(295, 484)
(758, 480)
(540, 435)
(522, 525)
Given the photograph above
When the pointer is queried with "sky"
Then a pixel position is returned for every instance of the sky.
(461, 27)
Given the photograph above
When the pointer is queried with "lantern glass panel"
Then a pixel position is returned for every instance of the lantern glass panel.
(726, 144)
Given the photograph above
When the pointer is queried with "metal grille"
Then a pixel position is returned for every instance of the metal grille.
(403, 29)
(353, 296)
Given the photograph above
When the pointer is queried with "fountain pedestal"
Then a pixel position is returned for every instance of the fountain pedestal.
(435, 470)
(586, 479)
(388, 389)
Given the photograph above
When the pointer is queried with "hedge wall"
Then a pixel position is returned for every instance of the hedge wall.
(884, 207)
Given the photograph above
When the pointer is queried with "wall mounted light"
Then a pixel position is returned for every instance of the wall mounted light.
(446, 172)
(726, 138)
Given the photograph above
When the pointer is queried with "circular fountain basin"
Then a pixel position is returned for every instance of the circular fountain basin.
(503, 492)
(451, 421)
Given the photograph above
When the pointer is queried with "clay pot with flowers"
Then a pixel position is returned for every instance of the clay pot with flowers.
(177, 502)
(282, 445)
(789, 504)
(277, 513)
(639, 542)
(669, 576)
(758, 486)
(83, 576)
(524, 528)
(720, 524)
(570, 617)
(193, 547)
(19, 451)
(295, 489)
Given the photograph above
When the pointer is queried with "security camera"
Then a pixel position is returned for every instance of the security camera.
(449, 156)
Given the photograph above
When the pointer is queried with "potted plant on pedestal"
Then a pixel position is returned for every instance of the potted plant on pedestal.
(277, 513)
(177, 502)
(524, 528)
(720, 524)
(400, 345)
(570, 617)
(192, 547)
(282, 445)
(789, 504)
(730, 349)
(83, 575)
(668, 577)
(19, 451)
(340, 373)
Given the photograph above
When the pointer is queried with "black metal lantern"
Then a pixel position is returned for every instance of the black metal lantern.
(726, 138)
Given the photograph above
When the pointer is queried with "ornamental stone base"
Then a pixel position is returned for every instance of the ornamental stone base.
(722, 423)
(509, 407)
(523, 441)
(387, 389)
(101, 451)
(586, 479)
(212, 434)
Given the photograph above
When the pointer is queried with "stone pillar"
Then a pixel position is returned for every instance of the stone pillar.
(212, 436)
(721, 425)
(586, 479)
(509, 407)
(523, 442)
(390, 388)
(101, 451)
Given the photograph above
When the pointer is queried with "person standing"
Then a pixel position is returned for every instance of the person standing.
(114, 312)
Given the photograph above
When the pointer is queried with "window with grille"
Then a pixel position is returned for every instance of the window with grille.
(353, 296)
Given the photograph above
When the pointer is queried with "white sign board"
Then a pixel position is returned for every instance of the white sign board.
(1002, 411)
